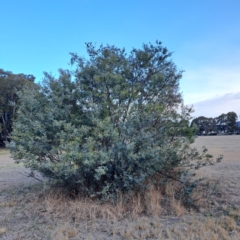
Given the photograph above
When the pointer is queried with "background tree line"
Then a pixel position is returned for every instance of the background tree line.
(9, 84)
(223, 124)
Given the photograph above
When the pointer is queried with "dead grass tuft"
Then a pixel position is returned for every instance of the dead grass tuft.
(177, 207)
(65, 232)
(82, 208)
(184, 228)
(2, 231)
(9, 203)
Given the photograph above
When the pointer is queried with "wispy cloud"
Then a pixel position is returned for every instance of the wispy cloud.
(209, 82)
(213, 107)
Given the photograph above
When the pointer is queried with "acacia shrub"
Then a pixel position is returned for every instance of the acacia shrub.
(115, 124)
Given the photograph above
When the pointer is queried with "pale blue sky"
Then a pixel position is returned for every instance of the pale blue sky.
(37, 36)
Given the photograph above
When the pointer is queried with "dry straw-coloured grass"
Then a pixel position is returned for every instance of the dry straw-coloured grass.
(65, 231)
(3, 151)
(186, 228)
(54, 215)
(82, 208)
(32, 213)
(142, 217)
(9, 203)
(2, 231)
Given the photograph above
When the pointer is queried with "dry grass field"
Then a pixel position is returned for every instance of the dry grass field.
(228, 171)
(30, 211)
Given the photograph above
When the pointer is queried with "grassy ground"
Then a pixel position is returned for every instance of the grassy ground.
(3, 151)
(29, 211)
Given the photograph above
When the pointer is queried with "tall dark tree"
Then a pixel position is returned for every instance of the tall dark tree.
(205, 125)
(227, 122)
(221, 121)
(232, 122)
(9, 84)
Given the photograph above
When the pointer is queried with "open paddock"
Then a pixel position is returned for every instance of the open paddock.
(28, 211)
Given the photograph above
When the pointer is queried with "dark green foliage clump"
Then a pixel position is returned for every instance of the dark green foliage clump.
(9, 84)
(114, 125)
(223, 124)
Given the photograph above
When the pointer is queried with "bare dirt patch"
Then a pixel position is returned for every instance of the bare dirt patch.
(27, 211)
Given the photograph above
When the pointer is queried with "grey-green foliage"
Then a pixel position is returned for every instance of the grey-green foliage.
(116, 123)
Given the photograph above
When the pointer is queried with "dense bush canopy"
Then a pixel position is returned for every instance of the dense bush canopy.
(115, 124)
